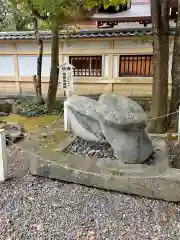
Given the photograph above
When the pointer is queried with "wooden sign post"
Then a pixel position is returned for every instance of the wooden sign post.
(66, 71)
(3, 156)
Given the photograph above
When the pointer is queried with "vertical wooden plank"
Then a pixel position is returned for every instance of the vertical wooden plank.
(96, 66)
(79, 63)
(145, 59)
(128, 63)
(133, 65)
(16, 69)
(89, 58)
(85, 66)
(120, 65)
(124, 64)
(141, 66)
(102, 65)
(115, 66)
(150, 60)
(136, 65)
(109, 66)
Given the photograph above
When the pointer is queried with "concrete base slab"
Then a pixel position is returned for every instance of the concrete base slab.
(158, 181)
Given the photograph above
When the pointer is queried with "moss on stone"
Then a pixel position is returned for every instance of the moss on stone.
(31, 124)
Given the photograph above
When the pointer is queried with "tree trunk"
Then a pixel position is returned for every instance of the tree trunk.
(54, 73)
(37, 79)
(39, 70)
(160, 28)
(175, 72)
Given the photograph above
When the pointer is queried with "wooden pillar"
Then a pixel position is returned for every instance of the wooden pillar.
(16, 70)
(110, 67)
(110, 63)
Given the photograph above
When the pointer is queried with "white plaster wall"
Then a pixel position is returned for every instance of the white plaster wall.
(27, 46)
(47, 46)
(46, 65)
(6, 47)
(66, 59)
(128, 44)
(85, 45)
(6, 65)
(28, 65)
(115, 65)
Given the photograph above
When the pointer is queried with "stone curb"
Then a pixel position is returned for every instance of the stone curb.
(158, 181)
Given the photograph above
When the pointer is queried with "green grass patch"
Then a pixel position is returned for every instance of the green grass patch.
(31, 124)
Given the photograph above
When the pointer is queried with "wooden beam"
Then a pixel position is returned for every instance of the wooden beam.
(16, 70)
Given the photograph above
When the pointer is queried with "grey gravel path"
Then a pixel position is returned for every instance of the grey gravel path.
(42, 209)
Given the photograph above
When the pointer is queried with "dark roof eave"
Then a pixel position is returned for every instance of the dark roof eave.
(122, 19)
(83, 34)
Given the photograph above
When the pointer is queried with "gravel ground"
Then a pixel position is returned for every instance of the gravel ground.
(98, 150)
(82, 147)
(38, 208)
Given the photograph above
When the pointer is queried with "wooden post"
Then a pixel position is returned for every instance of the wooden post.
(3, 156)
(16, 70)
(179, 125)
(65, 117)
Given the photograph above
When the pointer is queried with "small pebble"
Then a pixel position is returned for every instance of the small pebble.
(98, 150)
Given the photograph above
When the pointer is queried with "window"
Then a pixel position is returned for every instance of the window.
(136, 65)
(87, 66)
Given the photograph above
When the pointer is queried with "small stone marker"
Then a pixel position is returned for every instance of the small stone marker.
(3, 156)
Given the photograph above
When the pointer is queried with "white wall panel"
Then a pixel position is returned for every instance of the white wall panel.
(129, 44)
(27, 46)
(115, 66)
(6, 47)
(28, 65)
(46, 65)
(66, 59)
(86, 45)
(6, 65)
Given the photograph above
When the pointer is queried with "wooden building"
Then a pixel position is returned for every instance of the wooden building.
(116, 59)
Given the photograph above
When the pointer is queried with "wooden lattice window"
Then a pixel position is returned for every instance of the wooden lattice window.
(87, 65)
(136, 65)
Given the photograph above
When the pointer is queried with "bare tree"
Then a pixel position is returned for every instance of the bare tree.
(160, 29)
(175, 72)
(37, 78)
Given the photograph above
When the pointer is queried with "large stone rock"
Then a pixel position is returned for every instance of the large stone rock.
(7, 106)
(123, 124)
(82, 117)
(13, 131)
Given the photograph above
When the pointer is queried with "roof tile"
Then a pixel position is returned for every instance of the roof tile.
(83, 34)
